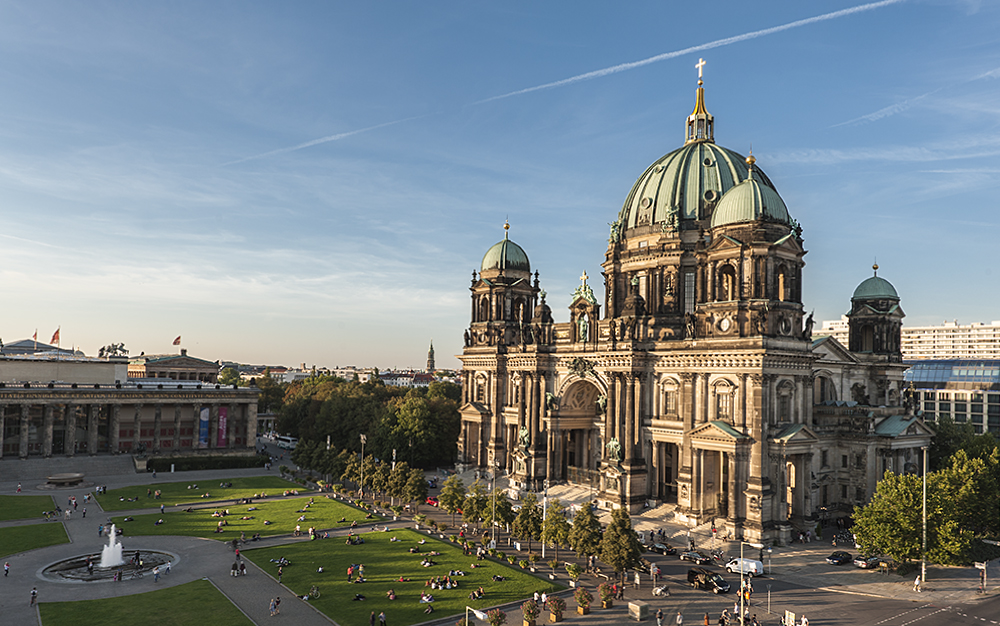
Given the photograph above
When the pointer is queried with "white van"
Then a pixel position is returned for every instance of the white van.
(749, 567)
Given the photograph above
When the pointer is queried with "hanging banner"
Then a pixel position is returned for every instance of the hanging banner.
(203, 428)
(221, 437)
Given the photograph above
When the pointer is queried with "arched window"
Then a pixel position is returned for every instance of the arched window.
(484, 309)
(782, 294)
(726, 289)
(724, 401)
(867, 338)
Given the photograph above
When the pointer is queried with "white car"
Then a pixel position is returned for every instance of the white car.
(749, 567)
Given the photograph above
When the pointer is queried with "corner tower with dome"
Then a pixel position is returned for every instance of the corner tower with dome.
(692, 387)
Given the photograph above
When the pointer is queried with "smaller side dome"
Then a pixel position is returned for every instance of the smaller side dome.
(750, 201)
(506, 255)
(875, 288)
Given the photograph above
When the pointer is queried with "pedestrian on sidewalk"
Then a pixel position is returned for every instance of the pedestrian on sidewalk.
(659, 617)
(916, 584)
(277, 605)
(381, 618)
(279, 575)
(156, 574)
(271, 607)
(680, 618)
(6, 569)
(34, 596)
(19, 487)
(85, 511)
(707, 623)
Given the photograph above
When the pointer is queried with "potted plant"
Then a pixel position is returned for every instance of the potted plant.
(583, 599)
(512, 559)
(530, 611)
(533, 558)
(496, 617)
(556, 607)
(554, 563)
(607, 595)
(523, 564)
(574, 571)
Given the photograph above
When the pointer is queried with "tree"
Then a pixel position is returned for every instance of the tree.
(620, 546)
(476, 502)
(272, 393)
(528, 523)
(416, 487)
(380, 478)
(452, 496)
(499, 510)
(555, 527)
(398, 476)
(585, 536)
(890, 523)
(230, 376)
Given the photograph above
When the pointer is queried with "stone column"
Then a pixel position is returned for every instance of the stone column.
(251, 424)
(522, 401)
(699, 483)
(177, 427)
(48, 426)
(3, 425)
(22, 450)
(800, 396)
(157, 426)
(92, 429)
(114, 429)
(628, 445)
(612, 407)
(231, 427)
(136, 427)
(733, 486)
(213, 426)
(70, 439)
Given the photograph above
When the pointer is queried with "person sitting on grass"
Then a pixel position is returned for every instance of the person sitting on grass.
(357, 597)
(393, 539)
(127, 519)
(497, 578)
(391, 594)
(429, 609)
(268, 522)
(426, 597)
(189, 510)
(158, 522)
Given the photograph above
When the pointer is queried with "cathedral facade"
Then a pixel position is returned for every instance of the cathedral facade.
(695, 381)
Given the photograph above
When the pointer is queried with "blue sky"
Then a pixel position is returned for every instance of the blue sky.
(160, 173)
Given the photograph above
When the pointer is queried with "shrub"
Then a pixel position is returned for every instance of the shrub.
(283, 469)
(556, 606)
(496, 617)
(574, 571)
(512, 559)
(583, 597)
(189, 463)
(605, 591)
(523, 564)
(553, 564)
(530, 610)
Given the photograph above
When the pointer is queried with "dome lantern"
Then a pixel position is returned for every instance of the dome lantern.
(700, 124)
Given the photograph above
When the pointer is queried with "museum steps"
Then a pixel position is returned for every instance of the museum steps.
(37, 468)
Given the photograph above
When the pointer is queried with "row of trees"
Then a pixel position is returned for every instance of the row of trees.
(378, 477)
(962, 505)
(617, 546)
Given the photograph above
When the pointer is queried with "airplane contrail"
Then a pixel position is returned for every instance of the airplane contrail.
(615, 69)
(624, 67)
(326, 139)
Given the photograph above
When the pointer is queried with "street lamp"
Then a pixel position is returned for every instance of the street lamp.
(493, 517)
(923, 553)
(545, 506)
(759, 546)
(362, 489)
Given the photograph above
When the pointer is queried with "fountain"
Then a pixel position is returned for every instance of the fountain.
(111, 555)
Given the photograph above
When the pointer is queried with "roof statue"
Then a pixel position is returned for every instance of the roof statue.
(584, 291)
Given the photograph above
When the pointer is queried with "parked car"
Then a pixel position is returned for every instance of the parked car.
(839, 558)
(432, 500)
(868, 562)
(701, 578)
(698, 557)
(663, 548)
(750, 567)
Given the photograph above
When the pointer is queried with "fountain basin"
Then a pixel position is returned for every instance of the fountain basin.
(74, 569)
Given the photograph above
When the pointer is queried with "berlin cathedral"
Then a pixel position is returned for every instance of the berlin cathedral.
(696, 383)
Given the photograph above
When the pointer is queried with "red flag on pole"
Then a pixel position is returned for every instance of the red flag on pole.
(177, 341)
(55, 336)
(35, 336)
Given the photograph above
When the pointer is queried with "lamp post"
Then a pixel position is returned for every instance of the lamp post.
(493, 517)
(545, 507)
(759, 546)
(923, 551)
(362, 489)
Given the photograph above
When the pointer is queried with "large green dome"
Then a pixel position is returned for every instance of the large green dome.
(750, 201)
(507, 256)
(683, 182)
(875, 288)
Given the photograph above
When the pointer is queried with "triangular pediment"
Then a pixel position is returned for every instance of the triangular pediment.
(795, 433)
(725, 242)
(829, 350)
(474, 410)
(717, 431)
(789, 242)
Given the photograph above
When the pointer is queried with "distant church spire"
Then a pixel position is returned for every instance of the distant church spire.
(430, 358)
(700, 124)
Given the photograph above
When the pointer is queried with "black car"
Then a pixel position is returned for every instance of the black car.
(663, 548)
(698, 557)
(839, 558)
(701, 578)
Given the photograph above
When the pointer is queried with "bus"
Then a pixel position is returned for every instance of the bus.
(283, 441)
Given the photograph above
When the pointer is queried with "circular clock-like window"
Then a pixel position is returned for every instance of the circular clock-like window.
(725, 324)
(786, 326)
(646, 202)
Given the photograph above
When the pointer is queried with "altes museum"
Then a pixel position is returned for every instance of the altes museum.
(695, 382)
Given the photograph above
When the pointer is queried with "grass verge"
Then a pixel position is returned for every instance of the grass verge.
(172, 494)
(24, 507)
(17, 539)
(385, 562)
(197, 602)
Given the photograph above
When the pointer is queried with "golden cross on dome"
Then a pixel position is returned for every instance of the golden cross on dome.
(584, 278)
(700, 64)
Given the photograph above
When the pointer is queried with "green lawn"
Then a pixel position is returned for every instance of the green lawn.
(196, 602)
(178, 493)
(24, 507)
(385, 562)
(283, 513)
(23, 538)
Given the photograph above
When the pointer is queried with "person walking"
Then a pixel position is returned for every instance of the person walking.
(659, 617)
(156, 574)
(680, 618)
(85, 511)
(271, 607)
(34, 596)
(916, 584)
(6, 568)
(277, 605)
(371, 619)
(381, 618)
(19, 487)
(279, 575)
(706, 620)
